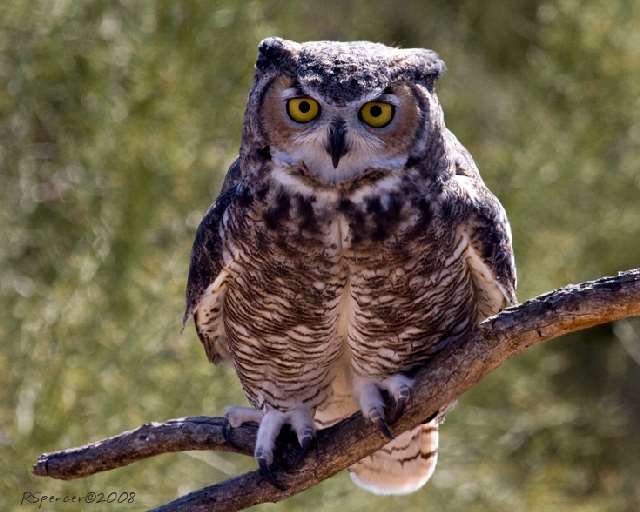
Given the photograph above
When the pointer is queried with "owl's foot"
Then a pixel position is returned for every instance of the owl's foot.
(299, 420)
(236, 416)
(370, 396)
(271, 423)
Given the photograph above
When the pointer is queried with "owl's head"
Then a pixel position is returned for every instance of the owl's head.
(341, 108)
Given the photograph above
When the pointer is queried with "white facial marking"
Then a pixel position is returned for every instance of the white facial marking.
(309, 146)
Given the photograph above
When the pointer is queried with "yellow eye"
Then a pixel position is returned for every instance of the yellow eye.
(303, 109)
(377, 114)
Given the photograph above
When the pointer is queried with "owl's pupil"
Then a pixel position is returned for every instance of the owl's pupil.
(376, 110)
(304, 107)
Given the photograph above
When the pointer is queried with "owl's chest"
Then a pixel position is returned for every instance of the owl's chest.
(308, 244)
(291, 217)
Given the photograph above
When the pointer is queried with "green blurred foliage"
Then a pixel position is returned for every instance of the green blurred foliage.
(117, 121)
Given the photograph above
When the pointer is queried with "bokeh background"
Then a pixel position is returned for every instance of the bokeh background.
(117, 122)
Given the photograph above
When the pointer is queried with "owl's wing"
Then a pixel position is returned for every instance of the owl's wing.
(490, 254)
(484, 223)
(205, 284)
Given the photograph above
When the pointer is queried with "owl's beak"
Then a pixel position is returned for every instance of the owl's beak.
(337, 146)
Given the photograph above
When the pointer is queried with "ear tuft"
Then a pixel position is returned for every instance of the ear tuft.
(273, 52)
(427, 64)
(436, 65)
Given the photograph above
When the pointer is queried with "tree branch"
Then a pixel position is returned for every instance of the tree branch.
(441, 381)
(177, 435)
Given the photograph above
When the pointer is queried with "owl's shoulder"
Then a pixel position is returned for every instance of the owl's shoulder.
(206, 260)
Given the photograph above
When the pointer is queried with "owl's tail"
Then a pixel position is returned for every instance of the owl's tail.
(402, 465)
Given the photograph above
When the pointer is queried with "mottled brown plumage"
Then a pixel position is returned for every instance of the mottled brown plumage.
(327, 284)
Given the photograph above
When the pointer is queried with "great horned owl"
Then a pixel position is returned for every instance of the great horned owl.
(353, 237)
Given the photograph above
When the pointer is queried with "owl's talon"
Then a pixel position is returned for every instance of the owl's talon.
(380, 422)
(266, 470)
(372, 403)
(226, 433)
(307, 440)
(399, 404)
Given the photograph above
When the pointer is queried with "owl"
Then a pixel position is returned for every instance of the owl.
(353, 238)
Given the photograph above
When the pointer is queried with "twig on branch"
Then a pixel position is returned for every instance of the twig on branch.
(442, 380)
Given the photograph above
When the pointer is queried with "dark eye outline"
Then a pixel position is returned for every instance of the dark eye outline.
(312, 102)
(393, 114)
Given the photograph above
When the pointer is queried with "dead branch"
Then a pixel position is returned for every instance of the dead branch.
(443, 379)
(177, 435)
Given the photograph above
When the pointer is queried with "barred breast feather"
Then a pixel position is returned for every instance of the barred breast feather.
(303, 286)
